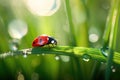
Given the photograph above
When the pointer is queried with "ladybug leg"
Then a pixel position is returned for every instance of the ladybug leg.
(49, 46)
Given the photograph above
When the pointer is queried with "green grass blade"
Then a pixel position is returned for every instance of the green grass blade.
(93, 53)
(112, 38)
(71, 26)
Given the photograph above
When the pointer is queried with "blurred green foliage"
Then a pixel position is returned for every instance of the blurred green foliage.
(72, 24)
(87, 17)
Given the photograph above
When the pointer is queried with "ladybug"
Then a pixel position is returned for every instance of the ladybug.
(43, 40)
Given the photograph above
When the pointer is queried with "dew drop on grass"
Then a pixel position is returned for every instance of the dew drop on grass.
(104, 51)
(3, 55)
(6, 54)
(86, 57)
(25, 53)
(14, 44)
(14, 47)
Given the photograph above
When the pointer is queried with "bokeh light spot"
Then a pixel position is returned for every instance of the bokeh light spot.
(43, 7)
(65, 58)
(17, 29)
(93, 38)
(20, 76)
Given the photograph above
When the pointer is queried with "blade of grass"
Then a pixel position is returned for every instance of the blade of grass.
(72, 34)
(112, 39)
(71, 26)
(108, 28)
(94, 53)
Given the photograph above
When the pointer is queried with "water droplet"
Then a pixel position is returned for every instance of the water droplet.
(3, 55)
(20, 76)
(86, 57)
(25, 53)
(6, 54)
(57, 57)
(104, 51)
(65, 58)
(14, 44)
(35, 76)
(17, 29)
(29, 52)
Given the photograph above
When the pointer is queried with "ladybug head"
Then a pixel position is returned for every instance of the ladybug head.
(54, 42)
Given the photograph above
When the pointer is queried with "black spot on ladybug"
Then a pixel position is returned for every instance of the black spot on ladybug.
(40, 40)
(33, 42)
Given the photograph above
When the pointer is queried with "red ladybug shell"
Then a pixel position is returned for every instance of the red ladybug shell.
(40, 41)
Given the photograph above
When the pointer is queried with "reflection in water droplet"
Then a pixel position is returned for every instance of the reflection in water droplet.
(35, 76)
(65, 58)
(86, 57)
(25, 53)
(14, 44)
(6, 54)
(17, 29)
(20, 76)
(29, 52)
(57, 57)
(43, 7)
(3, 55)
(104, 51)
